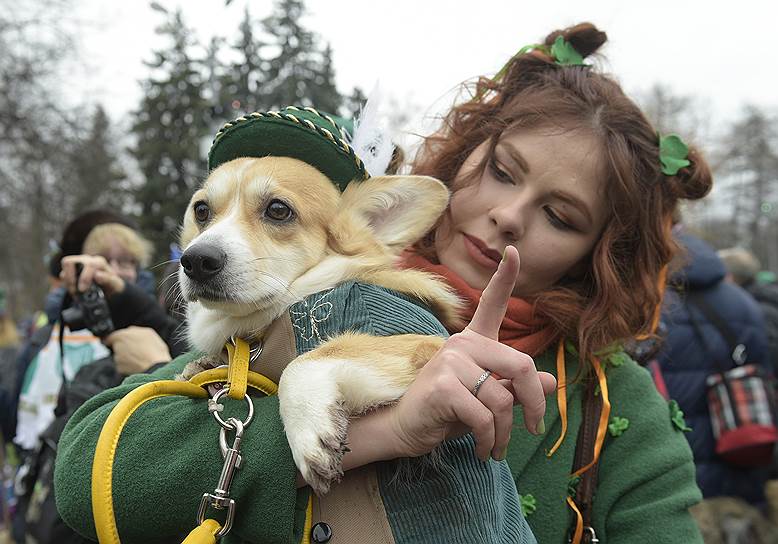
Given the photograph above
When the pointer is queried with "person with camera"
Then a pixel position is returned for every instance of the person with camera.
(105, 327)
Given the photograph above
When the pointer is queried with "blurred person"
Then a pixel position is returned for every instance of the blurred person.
(686, 360)
(64, 368)
(743, 268)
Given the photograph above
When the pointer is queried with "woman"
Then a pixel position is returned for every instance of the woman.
(552, 160)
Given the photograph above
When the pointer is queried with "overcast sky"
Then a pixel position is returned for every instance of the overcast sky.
(420, 50)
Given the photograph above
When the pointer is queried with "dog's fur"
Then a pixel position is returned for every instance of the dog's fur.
(269, 265)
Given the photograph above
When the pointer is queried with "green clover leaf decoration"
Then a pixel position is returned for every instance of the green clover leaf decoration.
(676, 416)
(673, 154)
(528, 504)
(572, 485)
(618, 359)
(565, 54)
(618, 425)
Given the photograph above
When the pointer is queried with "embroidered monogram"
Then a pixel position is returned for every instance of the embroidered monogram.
(307, 321)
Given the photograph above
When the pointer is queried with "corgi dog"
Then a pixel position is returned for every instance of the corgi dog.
(264, 233)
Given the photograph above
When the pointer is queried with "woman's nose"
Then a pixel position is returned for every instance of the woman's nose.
(509, 219)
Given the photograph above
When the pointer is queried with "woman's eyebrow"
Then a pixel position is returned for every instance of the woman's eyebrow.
(517, 157)
(574, 201)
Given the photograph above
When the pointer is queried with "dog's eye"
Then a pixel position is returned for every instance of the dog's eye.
(202, 212)
(278, 211)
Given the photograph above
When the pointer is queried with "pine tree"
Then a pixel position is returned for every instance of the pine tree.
(300, 73)
(246, 74)
(172, 128)
(95, 166)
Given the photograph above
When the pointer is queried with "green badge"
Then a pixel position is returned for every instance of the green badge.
(572, 485)
(528, 504)
(618, 358)
(618, 425)
(676, 416)
(673, 154)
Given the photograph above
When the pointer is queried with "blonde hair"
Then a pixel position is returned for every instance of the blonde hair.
(105, 236)
(741, 263)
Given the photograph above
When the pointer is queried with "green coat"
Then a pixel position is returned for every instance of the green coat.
(168, 456)
(646, 478)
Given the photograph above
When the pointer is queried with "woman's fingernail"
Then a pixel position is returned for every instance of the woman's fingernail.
(504, 252)
(501, 454)
(540, 428)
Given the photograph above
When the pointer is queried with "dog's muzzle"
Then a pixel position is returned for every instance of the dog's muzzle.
(203, 262)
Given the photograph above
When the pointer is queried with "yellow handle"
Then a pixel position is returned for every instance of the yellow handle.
(105, 452)
(204, 533)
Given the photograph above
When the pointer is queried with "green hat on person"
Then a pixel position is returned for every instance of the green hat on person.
(305, 134)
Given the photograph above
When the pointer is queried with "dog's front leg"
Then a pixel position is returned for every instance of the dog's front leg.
(346, 376)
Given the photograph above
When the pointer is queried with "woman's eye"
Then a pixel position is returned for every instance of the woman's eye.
(202, 212)
(499, 173)
(556, 221)
(278, 211)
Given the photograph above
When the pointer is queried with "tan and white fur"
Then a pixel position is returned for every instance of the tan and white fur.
(254, 266)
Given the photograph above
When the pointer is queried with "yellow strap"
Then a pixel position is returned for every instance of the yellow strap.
(205, 533)
(258, 381)
(578, 534)
(561, 394)
(105, 451)
(238, 368)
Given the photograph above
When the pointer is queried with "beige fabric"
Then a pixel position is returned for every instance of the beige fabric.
(279, 349)
(354, 510)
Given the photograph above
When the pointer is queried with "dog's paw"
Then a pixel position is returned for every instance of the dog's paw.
(206, 362)
(318, 444)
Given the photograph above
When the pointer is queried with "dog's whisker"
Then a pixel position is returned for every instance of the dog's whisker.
(163, 263)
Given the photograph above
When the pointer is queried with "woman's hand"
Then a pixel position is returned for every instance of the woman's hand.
(440, 403)
(136, 349)
(95, 270)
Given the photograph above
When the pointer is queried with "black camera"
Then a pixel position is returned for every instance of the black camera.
(89, 311)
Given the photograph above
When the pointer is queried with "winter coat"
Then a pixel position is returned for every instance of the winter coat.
(686, 364)
(767, 297)
(167, 455)
(646, 474)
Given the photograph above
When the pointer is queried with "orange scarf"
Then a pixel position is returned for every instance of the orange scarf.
(520, 328)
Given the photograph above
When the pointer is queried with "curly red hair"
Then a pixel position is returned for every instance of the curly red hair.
(617, 296)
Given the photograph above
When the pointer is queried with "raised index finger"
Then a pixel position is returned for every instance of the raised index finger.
(494, 300)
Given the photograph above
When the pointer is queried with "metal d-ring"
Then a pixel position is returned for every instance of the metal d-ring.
(214, 407)
(255, 350)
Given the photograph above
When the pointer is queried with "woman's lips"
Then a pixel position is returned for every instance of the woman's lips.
(481, 253)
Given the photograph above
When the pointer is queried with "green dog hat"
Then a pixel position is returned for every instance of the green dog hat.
(305, 134)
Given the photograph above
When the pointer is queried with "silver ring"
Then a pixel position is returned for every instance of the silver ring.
(481, 379)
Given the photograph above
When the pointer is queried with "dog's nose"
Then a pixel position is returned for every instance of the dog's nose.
(203, 261)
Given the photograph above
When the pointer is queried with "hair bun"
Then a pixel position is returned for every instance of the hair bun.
(584, 37)
(694, 181)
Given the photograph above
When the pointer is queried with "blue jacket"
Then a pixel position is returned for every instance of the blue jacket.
(686, 364)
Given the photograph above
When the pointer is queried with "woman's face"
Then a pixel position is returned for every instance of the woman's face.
(542, 192)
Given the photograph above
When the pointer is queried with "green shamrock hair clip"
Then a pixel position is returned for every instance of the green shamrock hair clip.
(673, 154)
(562, 51)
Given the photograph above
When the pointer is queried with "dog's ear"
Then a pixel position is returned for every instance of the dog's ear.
(398, 209)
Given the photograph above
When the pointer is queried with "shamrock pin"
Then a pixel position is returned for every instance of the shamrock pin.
(676, 416)
(618, 358)
(618, 425)
(673, 154)
(565, 54)
(528, 504)
(572, 485)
